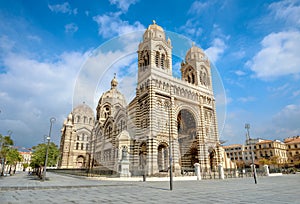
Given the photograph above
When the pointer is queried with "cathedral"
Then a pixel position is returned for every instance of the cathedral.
(169, 121)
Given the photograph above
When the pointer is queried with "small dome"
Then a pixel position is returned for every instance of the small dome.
(114, 82)
(113, 96)
(83, 109)
(154, 31)
(154, 26)
(195, 53)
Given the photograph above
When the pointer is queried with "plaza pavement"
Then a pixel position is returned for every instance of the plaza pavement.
(22, 188)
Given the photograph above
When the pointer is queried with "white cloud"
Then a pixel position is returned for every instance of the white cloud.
(296, 93)
(216, 50)
(63, 8)
(191, 28)
(286, 121)
(279, 56)
(240, 73)
(34, 38)
(123, 4)
(71, 28)
(34, 90)
(198, 7)
(246, 99)
(288, 10)
(111, 25)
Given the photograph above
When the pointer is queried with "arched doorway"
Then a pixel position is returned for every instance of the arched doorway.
(80, 163)
(188, 145)
(162, 157)
(143, 156)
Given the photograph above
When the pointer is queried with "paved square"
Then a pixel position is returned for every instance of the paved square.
(22, 188)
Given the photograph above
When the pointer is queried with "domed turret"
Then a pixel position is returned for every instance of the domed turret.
(154, 31)
(110, 101)
(83, 114)
(195, 54)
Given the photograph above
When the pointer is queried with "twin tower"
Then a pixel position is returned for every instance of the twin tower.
(165, 112)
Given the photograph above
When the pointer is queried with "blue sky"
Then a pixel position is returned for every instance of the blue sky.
(45, 45)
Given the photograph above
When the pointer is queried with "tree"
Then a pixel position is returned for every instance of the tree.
(13, 156)
(39, 156)
(5, 143)
(275, 161)
(264, 161)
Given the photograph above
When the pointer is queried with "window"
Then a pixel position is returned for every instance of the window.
(81, 146)
(78, 118)
(157, 59)
(77, 146)
(87, 146)
(162, 62)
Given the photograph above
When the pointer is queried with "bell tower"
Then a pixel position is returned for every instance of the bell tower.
(154, 53)
(196, 68)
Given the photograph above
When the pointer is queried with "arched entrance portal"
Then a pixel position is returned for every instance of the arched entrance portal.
(188, 145)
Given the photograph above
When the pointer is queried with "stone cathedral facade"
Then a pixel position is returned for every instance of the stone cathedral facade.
(166, 112)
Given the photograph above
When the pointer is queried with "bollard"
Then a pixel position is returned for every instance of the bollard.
(197, 171)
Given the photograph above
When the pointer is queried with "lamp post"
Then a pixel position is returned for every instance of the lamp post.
(247, 127)
(170, 148)
(52, 120)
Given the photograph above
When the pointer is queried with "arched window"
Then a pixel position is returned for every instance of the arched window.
(78, 118)
(157, 59)
(106, 111)
(77, 145)
(162, 61)
(81, 146)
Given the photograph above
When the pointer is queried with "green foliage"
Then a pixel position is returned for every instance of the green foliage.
(13, 156)
(264, 161)
(5, 143)
(39, 155)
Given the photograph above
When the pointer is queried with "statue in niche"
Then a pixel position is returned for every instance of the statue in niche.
(124, 153)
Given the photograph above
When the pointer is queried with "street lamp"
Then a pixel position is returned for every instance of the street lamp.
(52, 120)
(170, 147)
(247, 127)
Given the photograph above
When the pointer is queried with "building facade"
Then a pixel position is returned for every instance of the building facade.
(76, 138)
(272, 152)
(293, 150)
(168, 118)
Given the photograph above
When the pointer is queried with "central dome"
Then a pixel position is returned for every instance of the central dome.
(113, 96)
